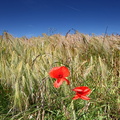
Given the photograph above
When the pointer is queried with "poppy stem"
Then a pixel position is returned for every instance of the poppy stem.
(74, 115)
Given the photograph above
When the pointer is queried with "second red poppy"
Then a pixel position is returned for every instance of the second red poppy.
(81, 93)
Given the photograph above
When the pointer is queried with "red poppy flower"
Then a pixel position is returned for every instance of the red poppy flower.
(81, 93)
(59, 73)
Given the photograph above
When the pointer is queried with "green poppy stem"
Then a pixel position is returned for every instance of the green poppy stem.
(74, 115)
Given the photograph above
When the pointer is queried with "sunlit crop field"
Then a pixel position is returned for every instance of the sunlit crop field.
(27, 91)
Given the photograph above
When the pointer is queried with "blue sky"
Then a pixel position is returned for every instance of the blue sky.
(34, 17)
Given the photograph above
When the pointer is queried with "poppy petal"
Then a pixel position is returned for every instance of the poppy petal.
(86, 92)
(58, 82)
(81, 89)
(56, 72)
(77, 89)
(65, 71)
(68, 82)
(84, 97)
(75, 97)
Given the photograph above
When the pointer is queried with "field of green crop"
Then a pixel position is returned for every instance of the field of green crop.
(27, 91)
